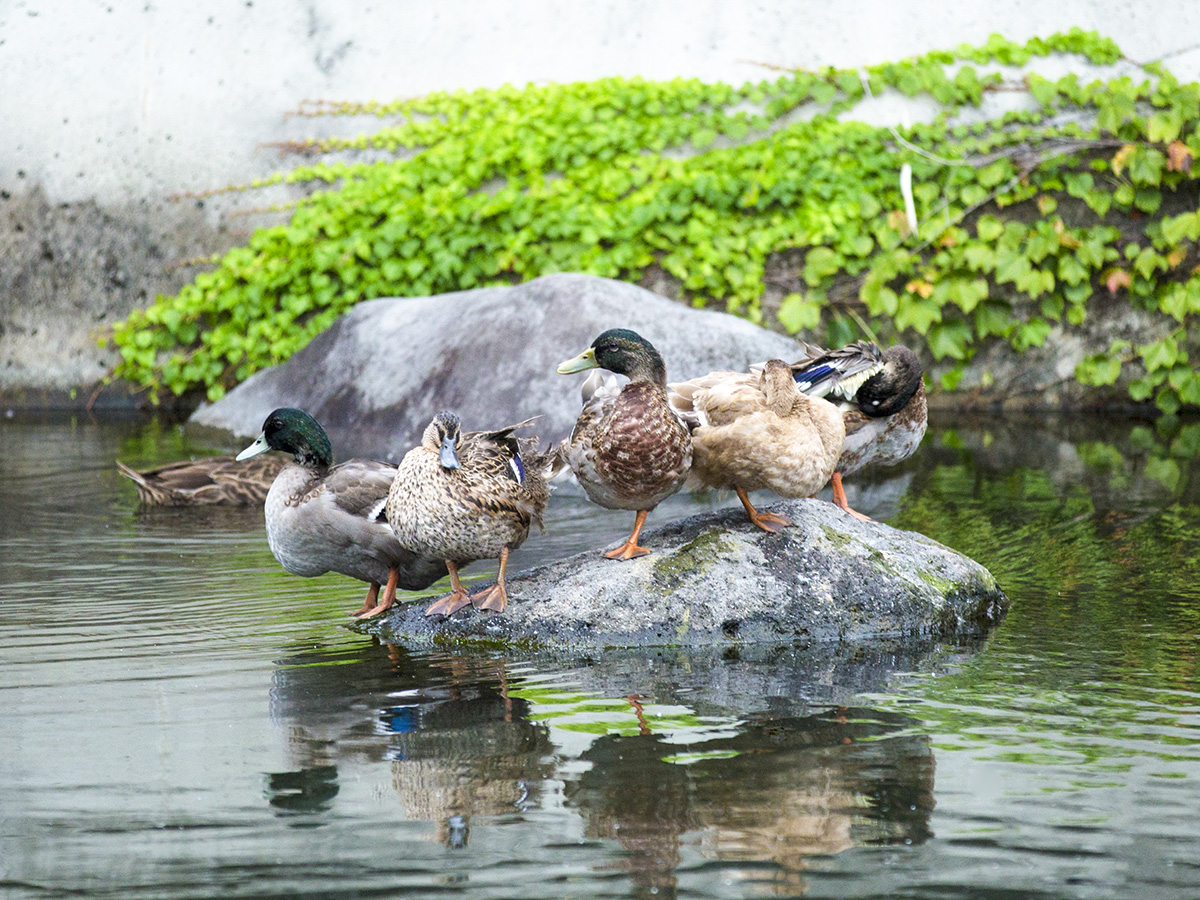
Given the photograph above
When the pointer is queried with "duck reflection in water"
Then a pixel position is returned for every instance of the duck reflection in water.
(458, 745)
(781, 791)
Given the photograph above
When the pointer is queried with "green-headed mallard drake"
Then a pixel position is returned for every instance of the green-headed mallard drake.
(754, 431)
(629, 449)
(326, 518)
(205, 481)
(882, 396)
(462, 496)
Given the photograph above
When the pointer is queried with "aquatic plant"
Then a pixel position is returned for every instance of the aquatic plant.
(1013, 225)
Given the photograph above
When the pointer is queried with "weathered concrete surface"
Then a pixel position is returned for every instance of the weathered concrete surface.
(67, 273)
(376, 377)
(716, 579)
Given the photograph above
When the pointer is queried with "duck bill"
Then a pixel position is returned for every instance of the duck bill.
(259, 446)
(584, 361)
(449, 454)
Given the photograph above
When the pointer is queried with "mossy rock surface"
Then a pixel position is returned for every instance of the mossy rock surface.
(716, 579)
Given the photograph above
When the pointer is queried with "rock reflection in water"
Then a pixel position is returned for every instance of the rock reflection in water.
(780, 792)
(762, 766)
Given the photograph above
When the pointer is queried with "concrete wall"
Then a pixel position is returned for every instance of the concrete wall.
(108, 99)
(110, 107)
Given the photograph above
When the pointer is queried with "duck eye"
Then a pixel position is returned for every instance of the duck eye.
(874, 402)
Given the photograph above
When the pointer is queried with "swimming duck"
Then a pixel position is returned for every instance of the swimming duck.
(205, 481)
(461, 496)
(629, 449)
(757, 430)
(326, 518)
(882, 396)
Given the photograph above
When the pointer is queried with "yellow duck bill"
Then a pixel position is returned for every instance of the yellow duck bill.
(582, 362)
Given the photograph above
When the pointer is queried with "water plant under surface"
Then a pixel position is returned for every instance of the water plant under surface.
(1028, 220)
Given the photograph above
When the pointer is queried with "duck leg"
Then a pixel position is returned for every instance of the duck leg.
(839, 498)
(630, 548)
(496, 596)
(369, 603)
(389, 597)
(771, 522)
(455, 600)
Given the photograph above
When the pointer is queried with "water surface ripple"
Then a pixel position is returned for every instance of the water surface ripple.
(181, 719)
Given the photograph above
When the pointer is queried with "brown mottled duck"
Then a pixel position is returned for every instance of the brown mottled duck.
(462, 496)
(629, 449)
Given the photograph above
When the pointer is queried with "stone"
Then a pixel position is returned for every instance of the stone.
(715, 579)
(376, 377)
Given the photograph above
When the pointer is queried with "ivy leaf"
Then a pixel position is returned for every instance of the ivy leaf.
(949, 339)
(1181, 300)
(1121, 158)
(799, 314)
(820, 263)
(1165, 471)
(1163, 127)
(980, 257)
(917, 314)
(1030, 334)
(1011, 266)
(993, 318)
(989, 228)
(1160, 354)
(964, 294)
(1179, 157)
(1071, 270)
(1115, 278)
(1098, 370)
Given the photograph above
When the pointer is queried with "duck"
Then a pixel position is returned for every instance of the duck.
(757, 430)
(629, 449)
(323, 517)
(882, 397)
(206, 481)
(464, 496)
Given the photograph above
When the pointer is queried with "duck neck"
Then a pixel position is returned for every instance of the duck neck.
(650, 370)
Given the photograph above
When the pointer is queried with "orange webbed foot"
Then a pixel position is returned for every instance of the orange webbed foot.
(450, 604)
(494, 598)
(770, 522)
(628, 550)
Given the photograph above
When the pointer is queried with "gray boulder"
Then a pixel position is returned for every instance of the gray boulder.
(376, 377)
(716, 579)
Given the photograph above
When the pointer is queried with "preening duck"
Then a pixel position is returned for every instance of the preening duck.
(882, 396)
(757, 430)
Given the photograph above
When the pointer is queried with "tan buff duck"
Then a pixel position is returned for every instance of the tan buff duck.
(754, 431)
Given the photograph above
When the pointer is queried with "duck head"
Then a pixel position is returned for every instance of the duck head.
(622, 351)
(888, 391)
(296, 432)
(441, 435)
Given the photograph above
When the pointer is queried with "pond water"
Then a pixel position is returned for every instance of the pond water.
(181, 719)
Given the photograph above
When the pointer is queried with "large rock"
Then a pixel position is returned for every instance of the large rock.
(714, 578)
(376, 377)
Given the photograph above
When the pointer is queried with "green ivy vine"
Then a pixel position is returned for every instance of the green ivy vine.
(1025, 221)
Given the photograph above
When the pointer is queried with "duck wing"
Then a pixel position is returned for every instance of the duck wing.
(838, 373)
